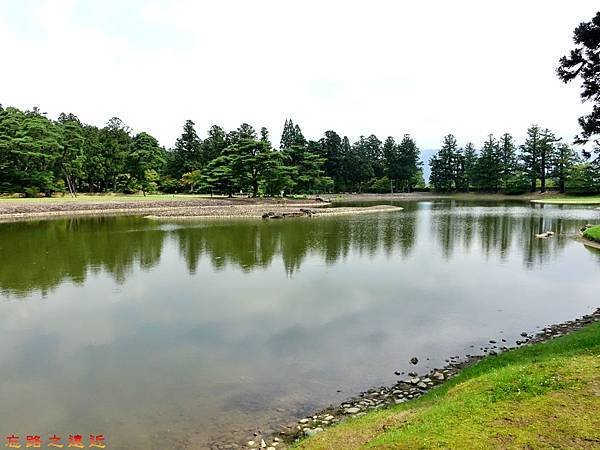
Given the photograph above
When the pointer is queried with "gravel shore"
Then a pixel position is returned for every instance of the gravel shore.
(412, 386)
(266, 211)
(15, 210)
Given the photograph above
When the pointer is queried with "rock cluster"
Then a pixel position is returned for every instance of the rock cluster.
(545, 235)
(302, 212)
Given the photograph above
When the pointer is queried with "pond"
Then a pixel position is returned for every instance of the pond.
(179, 334)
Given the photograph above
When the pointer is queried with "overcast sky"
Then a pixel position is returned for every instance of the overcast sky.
(426, 68)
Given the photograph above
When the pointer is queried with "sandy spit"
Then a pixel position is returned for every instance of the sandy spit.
(257, 211)
(19, 211)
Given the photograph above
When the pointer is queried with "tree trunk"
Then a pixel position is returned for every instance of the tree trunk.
(561, 184)
(543, 173)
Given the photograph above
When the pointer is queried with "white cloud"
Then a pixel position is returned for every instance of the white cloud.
(383, 67)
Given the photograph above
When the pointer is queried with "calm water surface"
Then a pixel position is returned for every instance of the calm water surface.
(175, 335)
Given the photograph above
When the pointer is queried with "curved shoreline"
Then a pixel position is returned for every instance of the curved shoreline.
(12, 210)
(413, 387)
(589, 242)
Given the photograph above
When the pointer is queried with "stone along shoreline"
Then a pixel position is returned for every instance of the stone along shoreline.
(413, 386)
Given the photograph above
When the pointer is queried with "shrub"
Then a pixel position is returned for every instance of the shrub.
(379, 185)
(517, 184)
(582, 179)
(32, 192)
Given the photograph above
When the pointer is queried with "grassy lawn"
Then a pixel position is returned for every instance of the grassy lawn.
(106, 197)
(570, 200)
(593, 233)
(543, 396)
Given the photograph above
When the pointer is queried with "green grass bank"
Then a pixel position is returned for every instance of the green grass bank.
(569, 200)
(593, 233)
(546, 395)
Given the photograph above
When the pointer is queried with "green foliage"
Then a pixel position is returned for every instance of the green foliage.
(291, 135)
(145, 158)
(564, 158)
(517, 184)
(307, 166)
(582, 179)
(187, 154)
(470, 165)
(379, 185)
(402, 163)
(488, 168)
(507, 158)
(218, 175)
(357, 167)
(444, 166)
(170, 185)
(332, 150)
(583, 62)
(30, 146)
(530, 152)
(66, 155)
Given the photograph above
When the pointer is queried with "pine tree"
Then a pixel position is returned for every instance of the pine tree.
(346, 150)
(391, 156)
(72, 158)
(460, 177)
(187, 154)
(564, 158)
(358, 167)
(409, 162)
(470, 164)
(115, 141)
(219, 174)
(331, 150)
(546, 151)
(584, 62)
(214, 144)
(508, 157)
(264, 135)
(530, 155)
(246, 131)
(251, 161)
(489, 166)
(145, 160)
(298, 137)
(443, 165)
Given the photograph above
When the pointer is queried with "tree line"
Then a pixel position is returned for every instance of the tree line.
(40, 155)
(43, 156)
(501, 165)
